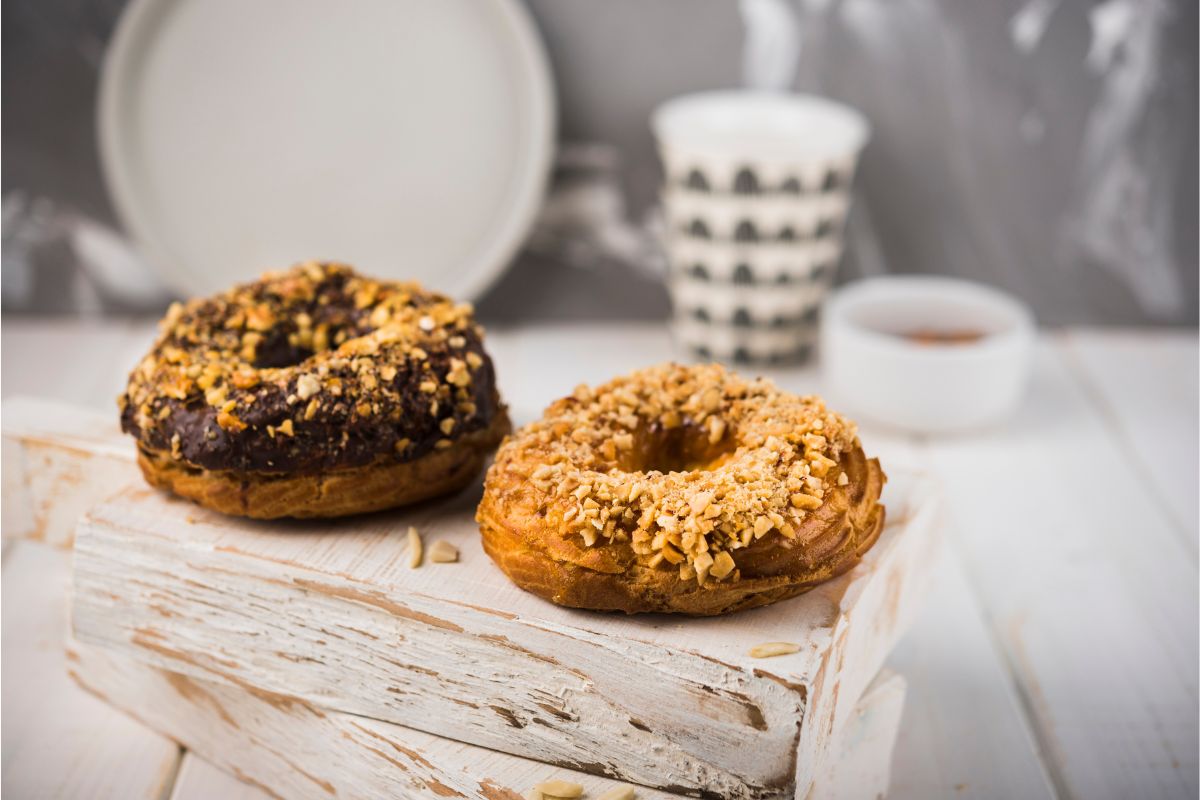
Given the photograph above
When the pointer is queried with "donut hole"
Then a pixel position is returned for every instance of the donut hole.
(277, 349)
(684, 448)
(276, 352)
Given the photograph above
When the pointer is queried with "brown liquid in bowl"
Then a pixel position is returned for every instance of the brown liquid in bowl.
(932, 337)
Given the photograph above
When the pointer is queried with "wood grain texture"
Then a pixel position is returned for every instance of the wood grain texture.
(1092, 595)
(59, 460)
(1145, 387)
(283, 747)
(59, 741)
(330, 613)
(962, 734)
(201, 780)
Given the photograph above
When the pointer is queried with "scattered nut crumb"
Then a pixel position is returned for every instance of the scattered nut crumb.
(442, 552)
(557, 789)
(415, 548)
(769, 649)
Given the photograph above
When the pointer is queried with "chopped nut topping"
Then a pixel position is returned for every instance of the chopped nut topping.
(759, 459)
(307, 386)
(805, 501)
(771, 649)
(722, 565)
(315, 344)
(458, 375)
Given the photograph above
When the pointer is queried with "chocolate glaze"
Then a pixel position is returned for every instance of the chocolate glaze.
(338, 434)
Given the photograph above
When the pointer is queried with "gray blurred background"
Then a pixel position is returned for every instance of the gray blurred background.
(1048, 147)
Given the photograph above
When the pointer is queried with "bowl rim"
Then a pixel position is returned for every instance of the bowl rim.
(1017, 333)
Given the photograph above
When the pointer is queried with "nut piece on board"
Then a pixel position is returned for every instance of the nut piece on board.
(558, 789)
(444, 553)
(414, 548)
(769, 649)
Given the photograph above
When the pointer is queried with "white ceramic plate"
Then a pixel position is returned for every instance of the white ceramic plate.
(410, 138)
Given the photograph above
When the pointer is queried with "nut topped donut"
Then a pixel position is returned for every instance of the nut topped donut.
(680, 489)
(314, 392)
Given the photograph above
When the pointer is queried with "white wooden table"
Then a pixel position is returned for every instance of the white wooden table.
(1057, 656)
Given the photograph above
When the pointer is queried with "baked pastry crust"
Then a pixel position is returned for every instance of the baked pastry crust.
(356, 490)
(759, 496)
(314, 392)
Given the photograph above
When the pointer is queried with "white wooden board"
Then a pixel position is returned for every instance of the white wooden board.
(484, 662)
(1145, 386)
(957, 659)
(330, 612)
(1093, 597)
(58, 741)
(59, 459)
(287, 748)
(963, 735)
(201, 780)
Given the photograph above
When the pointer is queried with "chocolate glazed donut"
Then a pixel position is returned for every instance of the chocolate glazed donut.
(680, 489)
(314, 393)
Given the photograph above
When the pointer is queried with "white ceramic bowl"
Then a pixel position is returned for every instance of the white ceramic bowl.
(885, 355)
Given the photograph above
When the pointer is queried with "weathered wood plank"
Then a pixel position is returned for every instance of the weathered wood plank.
(33, 420)
(59, 460)
(956, 677)
(59, 741)
(200, 780)
(287, 748)
(330, 613)
(1145, 386)
(963, 733)
(1091, 594)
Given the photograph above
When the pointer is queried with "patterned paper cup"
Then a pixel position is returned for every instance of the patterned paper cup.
(757, 264)
(739, 344)
(753, 219)
(756, 196)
